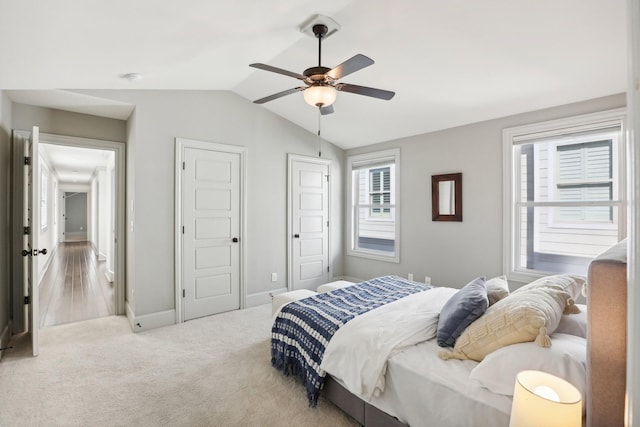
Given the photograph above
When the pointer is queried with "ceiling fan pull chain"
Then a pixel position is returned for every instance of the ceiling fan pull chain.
(319, 137)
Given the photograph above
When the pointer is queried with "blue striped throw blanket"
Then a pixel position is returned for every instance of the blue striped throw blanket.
(302, 329)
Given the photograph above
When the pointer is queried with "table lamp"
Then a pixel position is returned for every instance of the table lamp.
(544, 400)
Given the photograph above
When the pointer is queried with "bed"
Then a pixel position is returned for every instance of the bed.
(422, 383)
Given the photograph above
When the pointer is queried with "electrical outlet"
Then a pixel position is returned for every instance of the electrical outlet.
(274, 277)
(410, 276)
(427, 280)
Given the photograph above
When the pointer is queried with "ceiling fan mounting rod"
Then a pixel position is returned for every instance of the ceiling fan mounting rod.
(320, 30)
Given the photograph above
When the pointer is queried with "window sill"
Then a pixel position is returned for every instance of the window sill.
(377, 256)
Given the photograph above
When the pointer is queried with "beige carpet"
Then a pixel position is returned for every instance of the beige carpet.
(213, 371)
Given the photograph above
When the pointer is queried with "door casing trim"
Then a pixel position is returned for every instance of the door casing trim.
(120, 164)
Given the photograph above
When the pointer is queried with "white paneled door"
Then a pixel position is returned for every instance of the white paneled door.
(211, 233)
(31, 224)
(309, 187)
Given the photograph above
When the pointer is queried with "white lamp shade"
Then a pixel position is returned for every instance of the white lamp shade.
(541, 399)
(320, 96)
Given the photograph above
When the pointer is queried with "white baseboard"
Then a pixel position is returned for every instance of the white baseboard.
(75, 236)
(4, 338)
(154, 320)
(262, 297)
(130, 314)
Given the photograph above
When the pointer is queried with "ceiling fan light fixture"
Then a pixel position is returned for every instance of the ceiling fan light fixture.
(320, 95)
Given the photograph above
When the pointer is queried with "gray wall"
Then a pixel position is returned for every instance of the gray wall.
(66, 123)
(5, 233)
(221, 117)
(453, 253)
(75, 212)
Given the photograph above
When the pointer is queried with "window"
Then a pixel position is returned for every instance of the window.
(564, 193)
(44, 195)
(374, 206)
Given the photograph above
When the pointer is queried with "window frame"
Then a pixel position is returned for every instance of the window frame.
(520, 135)
(353, 205)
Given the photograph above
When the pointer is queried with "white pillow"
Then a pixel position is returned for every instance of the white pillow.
(574, 324)
(566, 358)
(567, 282)
(497, 289)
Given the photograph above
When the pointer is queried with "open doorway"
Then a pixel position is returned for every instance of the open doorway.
(89, 270)
(77, 282)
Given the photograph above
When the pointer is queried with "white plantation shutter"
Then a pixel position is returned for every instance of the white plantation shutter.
(380, 190)
(585, 174)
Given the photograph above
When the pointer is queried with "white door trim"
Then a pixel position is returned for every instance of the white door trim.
(291, 158)
(181, 144)
(118, 149)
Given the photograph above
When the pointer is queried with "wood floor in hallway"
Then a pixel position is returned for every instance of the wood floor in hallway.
(74, 287)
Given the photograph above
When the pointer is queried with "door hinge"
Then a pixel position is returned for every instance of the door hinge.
(327, 268)
(183, 165)
(27, 160)
(183, 229)
(327, 178)
(327, 223)
(27, 300)
(26, 231)
(184, 294)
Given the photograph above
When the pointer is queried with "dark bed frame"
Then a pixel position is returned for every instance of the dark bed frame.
(364, 413)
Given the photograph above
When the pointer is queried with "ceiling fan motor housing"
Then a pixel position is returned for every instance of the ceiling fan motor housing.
(317, 74)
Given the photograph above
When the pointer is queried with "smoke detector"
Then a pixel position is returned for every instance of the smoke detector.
(132, 77)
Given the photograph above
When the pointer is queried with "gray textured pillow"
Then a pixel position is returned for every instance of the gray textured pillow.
(461, 310)
(497, 289)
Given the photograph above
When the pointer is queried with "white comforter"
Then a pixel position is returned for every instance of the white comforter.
(358, 352)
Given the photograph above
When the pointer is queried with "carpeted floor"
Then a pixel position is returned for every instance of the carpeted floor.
(213, 371)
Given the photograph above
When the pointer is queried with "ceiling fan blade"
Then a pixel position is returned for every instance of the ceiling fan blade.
(279, 95)
(366, 91)
(278, 70)
(326, 110)
(351, 65)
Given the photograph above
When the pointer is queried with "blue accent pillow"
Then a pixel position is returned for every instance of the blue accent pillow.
(461, 310)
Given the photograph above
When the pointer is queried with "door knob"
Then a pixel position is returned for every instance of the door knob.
(296, 236)
(34, 252)
(234, 240)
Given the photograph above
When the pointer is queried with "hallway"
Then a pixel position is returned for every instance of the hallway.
(74, 287)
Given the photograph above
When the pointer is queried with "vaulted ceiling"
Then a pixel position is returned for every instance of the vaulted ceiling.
(449, 62)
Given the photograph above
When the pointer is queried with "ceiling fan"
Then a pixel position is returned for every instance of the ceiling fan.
(322, 82)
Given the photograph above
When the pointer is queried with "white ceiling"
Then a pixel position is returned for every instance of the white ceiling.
(450, 63)
(74, 165)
